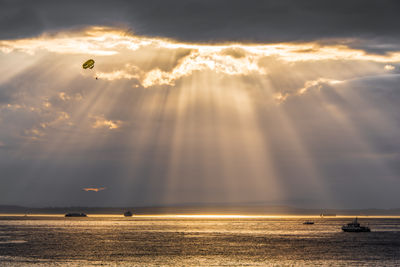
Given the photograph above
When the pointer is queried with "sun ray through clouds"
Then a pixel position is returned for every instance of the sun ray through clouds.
(174, 122)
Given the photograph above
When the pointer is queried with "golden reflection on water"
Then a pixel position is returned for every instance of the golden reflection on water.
(195, 240)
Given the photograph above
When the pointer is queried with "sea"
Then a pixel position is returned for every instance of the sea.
(178, 240)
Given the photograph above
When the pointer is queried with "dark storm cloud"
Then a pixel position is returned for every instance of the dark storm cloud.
(207, 20)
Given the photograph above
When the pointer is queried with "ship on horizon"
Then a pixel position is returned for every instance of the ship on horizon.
(355, 227)
(75, 214)
(128, 213)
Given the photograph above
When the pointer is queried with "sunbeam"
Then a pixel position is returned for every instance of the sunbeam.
(158, 121)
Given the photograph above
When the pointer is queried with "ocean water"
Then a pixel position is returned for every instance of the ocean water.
(195, 241)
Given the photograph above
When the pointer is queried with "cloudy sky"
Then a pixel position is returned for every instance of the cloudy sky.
(274, 102)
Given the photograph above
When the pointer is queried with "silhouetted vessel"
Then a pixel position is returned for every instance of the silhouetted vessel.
(75, 215)
(308, 222)
(128, 213)
(355, 227)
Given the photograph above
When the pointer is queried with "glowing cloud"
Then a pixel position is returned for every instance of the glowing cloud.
(316, 83)
(230, 59)
(389, 67)
(101, 122)
(94, 189)
(168, 121)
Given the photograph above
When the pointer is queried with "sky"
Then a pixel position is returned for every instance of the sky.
(208, 102)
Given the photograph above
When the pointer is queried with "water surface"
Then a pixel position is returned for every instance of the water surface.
(179, 241)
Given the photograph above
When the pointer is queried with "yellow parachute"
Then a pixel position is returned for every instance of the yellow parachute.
(88, 64)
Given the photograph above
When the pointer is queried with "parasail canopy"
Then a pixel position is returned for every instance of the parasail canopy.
(88, 64)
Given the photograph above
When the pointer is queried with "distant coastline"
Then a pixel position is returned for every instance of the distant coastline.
(199, 209)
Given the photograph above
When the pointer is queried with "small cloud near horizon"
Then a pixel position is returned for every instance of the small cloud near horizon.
(389, 67)
(94, 189)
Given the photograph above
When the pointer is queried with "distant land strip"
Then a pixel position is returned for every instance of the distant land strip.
(198, 209)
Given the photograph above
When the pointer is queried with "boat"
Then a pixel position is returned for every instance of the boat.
(75, 215)
(308, 222)
(355, 227)
(128, 213)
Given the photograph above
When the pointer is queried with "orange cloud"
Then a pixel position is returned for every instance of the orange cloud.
(228, 58)
(94, 189)
(101, 122)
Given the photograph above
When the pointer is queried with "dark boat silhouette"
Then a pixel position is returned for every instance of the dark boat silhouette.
(128, 213)
(308, 222)
(355, 227)
(75, 215)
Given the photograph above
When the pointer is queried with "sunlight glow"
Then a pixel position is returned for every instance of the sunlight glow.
(101, 122)
(231, 59)
(176, 121)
